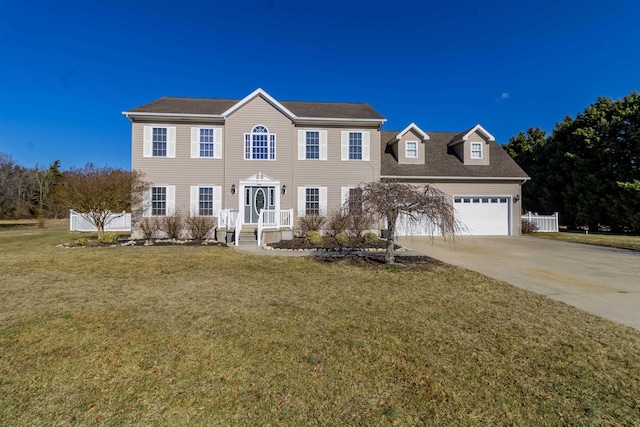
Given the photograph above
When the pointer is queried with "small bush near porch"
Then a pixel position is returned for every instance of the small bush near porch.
(208, 336)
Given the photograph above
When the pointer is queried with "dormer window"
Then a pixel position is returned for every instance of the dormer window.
(476, 150)
(411, 150)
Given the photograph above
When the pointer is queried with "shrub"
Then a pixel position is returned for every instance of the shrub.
(310, 223)
(108, 238)
(172, 225)
(342, 238)
(199, 227)
(149, 228)
(358, 222)
(528, 227)
(313, 238)
(83, 241)
(370, 238)
(337, 222)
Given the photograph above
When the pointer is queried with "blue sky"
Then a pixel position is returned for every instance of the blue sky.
(69, 68)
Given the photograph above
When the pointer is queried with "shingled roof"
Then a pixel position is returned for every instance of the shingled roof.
(441, 161)
(216, 106)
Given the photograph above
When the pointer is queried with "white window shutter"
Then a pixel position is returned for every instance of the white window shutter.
(344, 197)
(366, 146)
(195, 142)
(217, 143)
(217, 200)
(171, 199)
(344, 145)
(323, 145)
(147, 149)
(171, 142)
(302, 201)
(323, 201)
(194, 200)
(302, 144)
(146, 203)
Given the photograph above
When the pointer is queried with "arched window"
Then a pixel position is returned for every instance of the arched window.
(259, 144)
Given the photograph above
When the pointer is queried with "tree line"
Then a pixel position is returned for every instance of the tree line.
(588, 168)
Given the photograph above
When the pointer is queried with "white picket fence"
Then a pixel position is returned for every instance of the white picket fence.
(116, 222)
(544, 223)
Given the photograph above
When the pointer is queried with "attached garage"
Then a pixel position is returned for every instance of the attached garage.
(479, 216)
(484, 215)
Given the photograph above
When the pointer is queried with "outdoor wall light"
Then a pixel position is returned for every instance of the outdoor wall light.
(516, 199)
(233, 189)
(283, 190)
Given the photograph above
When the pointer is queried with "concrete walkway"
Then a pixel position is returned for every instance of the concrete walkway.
(599, 280)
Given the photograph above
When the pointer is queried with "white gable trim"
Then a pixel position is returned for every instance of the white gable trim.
(266, 96)
(476, 128)
(415, 127)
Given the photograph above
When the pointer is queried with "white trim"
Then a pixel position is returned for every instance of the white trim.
(415, 127)
(478, 178)
(336, 119)
(466, 136)
(471, 150)
(406, 149)
(266, 96)
(135, 113)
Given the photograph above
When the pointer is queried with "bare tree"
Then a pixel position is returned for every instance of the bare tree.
(101, 194)
(15, 188)
(390, 199)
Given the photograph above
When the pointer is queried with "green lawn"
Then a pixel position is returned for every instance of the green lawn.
(208, 336)
(611, 240)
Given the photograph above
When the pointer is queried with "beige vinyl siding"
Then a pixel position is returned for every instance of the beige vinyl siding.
(476, 137)
(335, 173)
(509, 189)
(410, 135)
(259, 112)
(181, 171)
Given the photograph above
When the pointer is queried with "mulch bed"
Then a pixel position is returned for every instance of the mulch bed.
(330, 243)
(362, 259)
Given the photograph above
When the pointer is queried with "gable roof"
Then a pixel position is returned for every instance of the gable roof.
(216, 107)
(442, 162)
(416, 129)
(463, 136)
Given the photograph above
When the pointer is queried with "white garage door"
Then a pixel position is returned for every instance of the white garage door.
(483, 215)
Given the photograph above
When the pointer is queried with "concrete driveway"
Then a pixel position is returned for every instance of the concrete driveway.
(602, 281)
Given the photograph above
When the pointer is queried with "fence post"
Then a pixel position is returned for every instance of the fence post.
(557, 222)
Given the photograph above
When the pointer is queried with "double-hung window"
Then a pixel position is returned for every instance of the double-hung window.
(205, 201)
(158, 201)
(411, 150)
(355, 145)
(312, 146)
(260, 144)
(206, 142)
(159, 142)
(476, 150)
(312, 201)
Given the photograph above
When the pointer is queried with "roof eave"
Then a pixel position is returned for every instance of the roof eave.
(457, 178)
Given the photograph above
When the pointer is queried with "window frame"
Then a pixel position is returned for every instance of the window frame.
(315, 145)
(205, 206)
(476, 151)
(206, 145)
(260, 135)
(308, 208)
(355, 145)
(159, 142)
(406, 149)
(158, 201)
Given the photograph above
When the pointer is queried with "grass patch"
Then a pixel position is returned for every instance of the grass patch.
(208, 336)
(609, 240)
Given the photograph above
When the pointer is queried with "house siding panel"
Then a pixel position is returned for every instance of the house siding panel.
(181, 171)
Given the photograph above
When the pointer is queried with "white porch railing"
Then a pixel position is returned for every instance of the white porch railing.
(543, 223)
(273, 219)
(115, 222)
(230, 219)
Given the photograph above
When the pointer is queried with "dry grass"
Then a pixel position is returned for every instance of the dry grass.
(610, 240)
(207, 336)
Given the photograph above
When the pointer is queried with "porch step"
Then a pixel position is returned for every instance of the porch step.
(247, 238)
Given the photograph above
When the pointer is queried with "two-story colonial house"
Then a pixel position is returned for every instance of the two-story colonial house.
(211, 157)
